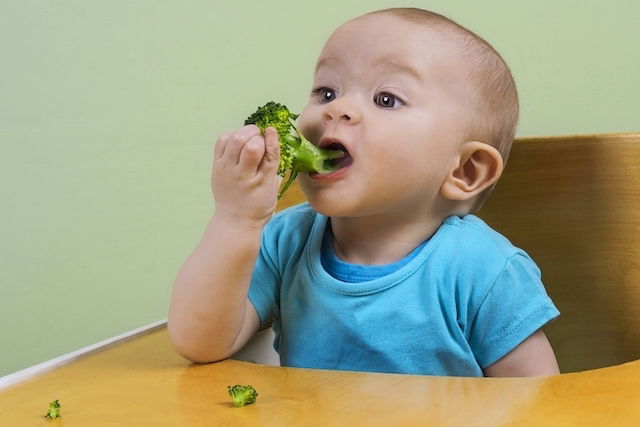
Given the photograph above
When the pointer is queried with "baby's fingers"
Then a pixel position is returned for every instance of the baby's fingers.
(272, 151)
(233, 143)
(221, 144)
(252, 154)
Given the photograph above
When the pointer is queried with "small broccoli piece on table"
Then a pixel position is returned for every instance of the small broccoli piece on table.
(297, 154)
(242, 394)
(54, 410)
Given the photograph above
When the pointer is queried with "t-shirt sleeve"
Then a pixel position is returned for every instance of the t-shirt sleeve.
(264, 286)
(515, 306)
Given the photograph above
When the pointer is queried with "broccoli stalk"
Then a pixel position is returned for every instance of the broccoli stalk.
(242, 394)
(54, 410)
(297, 154)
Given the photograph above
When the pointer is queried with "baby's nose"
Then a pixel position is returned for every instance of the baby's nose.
(342, 110)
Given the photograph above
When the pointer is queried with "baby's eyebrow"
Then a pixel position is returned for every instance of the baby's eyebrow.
(390, 63)
(399, 66)
(386, 62)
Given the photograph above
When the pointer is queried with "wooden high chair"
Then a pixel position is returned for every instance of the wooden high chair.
(573, 203)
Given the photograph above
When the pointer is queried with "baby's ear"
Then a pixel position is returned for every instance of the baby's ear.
(479, 166)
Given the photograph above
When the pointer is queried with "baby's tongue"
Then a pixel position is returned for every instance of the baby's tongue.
(343, 162)
(340, 162)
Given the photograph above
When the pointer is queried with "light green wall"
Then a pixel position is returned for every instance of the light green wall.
(109, 110)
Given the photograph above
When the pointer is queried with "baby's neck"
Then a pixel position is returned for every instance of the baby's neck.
(379, 240)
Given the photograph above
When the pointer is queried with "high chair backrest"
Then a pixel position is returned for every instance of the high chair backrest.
(573, 203)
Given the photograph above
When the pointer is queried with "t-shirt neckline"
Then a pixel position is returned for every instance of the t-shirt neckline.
(323, 278)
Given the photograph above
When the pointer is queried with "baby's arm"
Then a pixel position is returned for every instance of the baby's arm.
(210, 316)
(533, 357)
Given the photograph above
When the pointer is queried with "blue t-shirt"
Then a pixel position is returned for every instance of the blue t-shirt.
(463, 301)
(356, 273)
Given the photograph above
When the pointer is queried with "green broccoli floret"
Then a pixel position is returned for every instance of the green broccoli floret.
(242, 394)
(297, 154)
(54, 410)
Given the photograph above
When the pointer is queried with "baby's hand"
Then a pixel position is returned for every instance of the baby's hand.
(244, 179)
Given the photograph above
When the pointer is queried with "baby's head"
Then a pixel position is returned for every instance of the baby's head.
(429, 96)
(493, 93)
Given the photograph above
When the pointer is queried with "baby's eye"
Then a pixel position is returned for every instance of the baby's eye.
(386, 100)
(324, 94)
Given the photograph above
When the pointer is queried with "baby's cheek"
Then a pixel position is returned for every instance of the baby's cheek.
(310, 128)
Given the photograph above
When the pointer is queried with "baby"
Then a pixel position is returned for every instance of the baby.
(384, 269)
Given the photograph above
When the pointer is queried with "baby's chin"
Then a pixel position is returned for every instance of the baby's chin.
(336, 207)
(328, 205)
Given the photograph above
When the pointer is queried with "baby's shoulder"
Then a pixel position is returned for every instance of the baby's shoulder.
(477, 258)
(470, 236)
(291, 229)
(298, 218)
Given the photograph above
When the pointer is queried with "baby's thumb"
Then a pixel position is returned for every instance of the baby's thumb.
(272, 149)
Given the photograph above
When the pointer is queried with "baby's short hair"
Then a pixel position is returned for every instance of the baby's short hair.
(495, 104)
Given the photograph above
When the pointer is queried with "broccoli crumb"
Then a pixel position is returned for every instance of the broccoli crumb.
(54, 410)
(242, 394)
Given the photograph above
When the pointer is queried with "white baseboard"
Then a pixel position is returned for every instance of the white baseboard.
(49, 365)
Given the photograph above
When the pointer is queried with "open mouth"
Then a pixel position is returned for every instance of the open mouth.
(340, 162)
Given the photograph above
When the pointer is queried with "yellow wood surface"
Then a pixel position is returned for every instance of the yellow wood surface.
(144, 383)
(573, 203)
